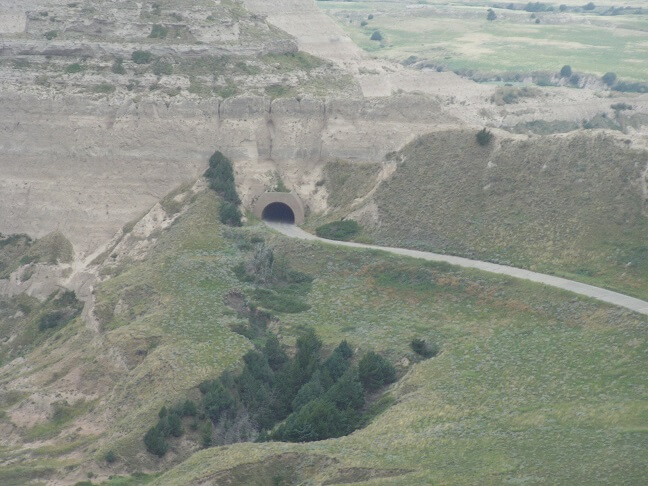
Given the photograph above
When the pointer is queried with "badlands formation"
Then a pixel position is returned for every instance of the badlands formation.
(102, 149)
(84, 162)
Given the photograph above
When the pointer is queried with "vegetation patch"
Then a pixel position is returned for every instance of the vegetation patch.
(308, 398)
(505, 95)
(344, 230)
(141, 57)
(62, 414)
(553, 204)
(64, 309)
(278, 287)
(220, 176)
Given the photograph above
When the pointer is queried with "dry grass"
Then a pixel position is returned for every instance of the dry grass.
(566, 205)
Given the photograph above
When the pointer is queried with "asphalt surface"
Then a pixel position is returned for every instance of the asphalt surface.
(597, 293)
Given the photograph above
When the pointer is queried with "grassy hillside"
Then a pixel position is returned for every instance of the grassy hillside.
(572, 206)
(532, 384)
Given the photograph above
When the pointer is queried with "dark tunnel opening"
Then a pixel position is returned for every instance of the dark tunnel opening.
(278, 212)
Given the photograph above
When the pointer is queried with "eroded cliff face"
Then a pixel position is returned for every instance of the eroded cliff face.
(90, 139)
(86, 167)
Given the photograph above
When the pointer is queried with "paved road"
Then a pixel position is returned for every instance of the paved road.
(597, 293)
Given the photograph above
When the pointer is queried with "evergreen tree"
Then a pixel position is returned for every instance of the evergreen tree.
(274, 353)
(155, 442)
(309, 392)
(217, 400)
(375, 371)
(347, 393)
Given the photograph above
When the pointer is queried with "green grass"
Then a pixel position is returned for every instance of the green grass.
(458, 36)
(532, 384)
(569, 206)
(344, 230)
(62, 415)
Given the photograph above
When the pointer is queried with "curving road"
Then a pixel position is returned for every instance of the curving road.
(597, 293)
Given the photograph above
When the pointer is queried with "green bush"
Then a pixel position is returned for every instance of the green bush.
(420, 347)
(627, 87)
(118, 66)
(52, 34)
(375, 371)
(142, 57)
(220, 176)
(339, 230)
(206, 434)
(274, 353)
(491, 15)
(155, 442)
(189, 408)
(53, 319)
(484, 137)
(285, 302)
(229, 214)
(110, 457)
(317, 420)
(609, 78)
(74, 68)
(105, 88)
(621, 106)
(347, 392)
(566, 71)
(308, 392)
(158, 32)
(162, 68)
(376, 36)
(217, 400)
(64, 309)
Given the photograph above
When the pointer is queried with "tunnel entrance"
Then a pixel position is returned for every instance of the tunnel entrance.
(279, 213)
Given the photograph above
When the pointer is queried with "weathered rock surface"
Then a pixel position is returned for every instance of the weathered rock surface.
(85, 167)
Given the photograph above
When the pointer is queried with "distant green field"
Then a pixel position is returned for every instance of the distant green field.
(458, 36)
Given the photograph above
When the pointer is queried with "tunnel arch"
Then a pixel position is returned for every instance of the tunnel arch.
(279, 206)
(279, 212)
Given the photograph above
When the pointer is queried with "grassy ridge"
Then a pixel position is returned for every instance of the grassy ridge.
(570, 206)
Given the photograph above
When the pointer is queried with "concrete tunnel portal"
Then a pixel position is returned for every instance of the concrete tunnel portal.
(281, 207)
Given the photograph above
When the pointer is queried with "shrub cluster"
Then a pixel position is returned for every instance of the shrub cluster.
(169, 425)
(621, 106)
(484, 137)
(300, 399)
(63, 309)
(279, 287)
(158, 32)
(142, 57)
(423, 349)
(220, 176)
(339, 230)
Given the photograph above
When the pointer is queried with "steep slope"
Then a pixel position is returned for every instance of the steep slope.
(92, 137)
(571, 205)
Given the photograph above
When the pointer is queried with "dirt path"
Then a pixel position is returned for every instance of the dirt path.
(597, 293)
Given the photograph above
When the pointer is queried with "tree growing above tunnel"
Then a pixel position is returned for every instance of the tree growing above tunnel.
(220, 176)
